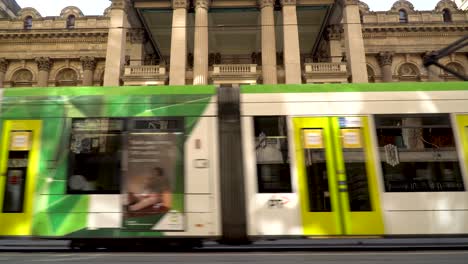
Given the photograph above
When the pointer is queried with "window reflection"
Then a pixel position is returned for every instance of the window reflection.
(271, 147)
(418, 153)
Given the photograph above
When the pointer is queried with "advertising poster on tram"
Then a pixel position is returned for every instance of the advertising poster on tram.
(153, 182)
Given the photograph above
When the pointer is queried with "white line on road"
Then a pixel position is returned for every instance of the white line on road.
(52, 259)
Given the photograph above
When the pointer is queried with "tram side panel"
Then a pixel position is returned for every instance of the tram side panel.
(423, 208)
(87, 146)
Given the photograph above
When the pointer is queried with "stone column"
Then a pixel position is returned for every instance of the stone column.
(3, 69)
(292, 57)
(137, 52)
(178, 43)
(354, 41)
(200, 63)
(385, 61)
(43, 64)
(269, 71)
(334, 40)
(116, 42)
(433, 72)
(89, 65)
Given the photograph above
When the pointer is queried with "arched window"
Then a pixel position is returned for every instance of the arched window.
(66, 77)
(409, 72)
(22, 78)
(447, 15)
(71, 22)
(28, 22)
(403, 16)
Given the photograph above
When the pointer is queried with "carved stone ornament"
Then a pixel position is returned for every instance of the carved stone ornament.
(408, 69)
(3, 65)
(205, 4)
(265, 3)
(363, 7)
(385, 58)
(88, 63)
(288, 2)
(334, 32)
(402, 4)
(120, 4)
(177, 4)
(136, 36)
(446, 4)
(44, 64)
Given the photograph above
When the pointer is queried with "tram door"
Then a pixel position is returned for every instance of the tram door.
(19, 156)
(462, 121)
(337, 179)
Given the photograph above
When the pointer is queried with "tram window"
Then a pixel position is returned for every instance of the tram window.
(95, 156)
(418, 153)
(272, 153)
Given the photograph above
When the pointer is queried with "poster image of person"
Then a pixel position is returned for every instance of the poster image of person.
(153, 180)
(156, 195)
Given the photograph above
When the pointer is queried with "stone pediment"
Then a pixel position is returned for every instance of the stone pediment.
(447, 4)
(71, 10)
(28, 11)
(402, 4)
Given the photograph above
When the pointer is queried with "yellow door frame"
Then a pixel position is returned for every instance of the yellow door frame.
(341, 221)
(462, 123)
(19, 224)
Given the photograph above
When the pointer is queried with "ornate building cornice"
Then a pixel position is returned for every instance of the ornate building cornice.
(88, 63)
(3, 65)
(63, 36)
(265, 3)
(43, 63)
(378, 28)
(385, 58)
(178, 4)
(205, 4)
(288, 2)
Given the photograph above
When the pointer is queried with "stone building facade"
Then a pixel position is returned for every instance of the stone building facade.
(180, 42)
(65, 50)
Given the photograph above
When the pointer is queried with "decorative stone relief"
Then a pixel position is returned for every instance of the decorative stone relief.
(446, 4)
(88, 63)
(28, 11)
(288, 2)
(385, 58)
(3, 65)
(265, 3)
(22, 75)
(334, 32)
(44, 63)
(363, 7)
(176, 4)
(67, 75)
(137, 36)
(202, 4)
(402, 4)
(409, 70)
(120, 4)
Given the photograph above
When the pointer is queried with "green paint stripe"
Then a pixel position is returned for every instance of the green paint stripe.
(355, 87)
(118, 90)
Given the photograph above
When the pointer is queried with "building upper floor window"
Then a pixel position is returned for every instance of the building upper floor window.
(447, 16)
(403, 16)
(71, 22)
(28, 22)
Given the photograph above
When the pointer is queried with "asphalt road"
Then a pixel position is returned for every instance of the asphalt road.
(365, 257)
